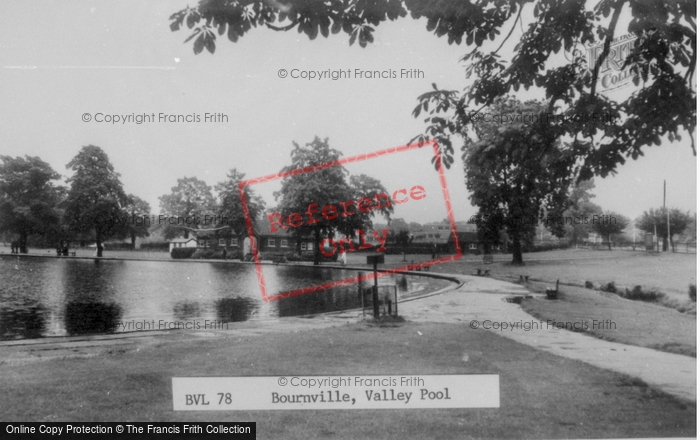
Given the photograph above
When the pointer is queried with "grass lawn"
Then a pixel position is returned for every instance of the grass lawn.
(636, 322)
(669, 273)
(542, 395)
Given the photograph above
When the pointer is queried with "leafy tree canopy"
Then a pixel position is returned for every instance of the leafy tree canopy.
(579, 214)
(658, 221)
(664, 57)
(96, 199)
(189, 201)
(138, 222)
(609, 224)
(311, 182)
(231, 205)
(29, 197)
(517, 174)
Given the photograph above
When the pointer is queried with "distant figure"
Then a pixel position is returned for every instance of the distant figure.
(13, 247)
(434, 250)
(224, 254)
(343, 255)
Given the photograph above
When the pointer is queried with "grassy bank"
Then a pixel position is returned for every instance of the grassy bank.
(542, 395)
(644, 324)
(665, 272)
(635, 322)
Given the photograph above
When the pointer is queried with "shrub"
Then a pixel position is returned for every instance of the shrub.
(589, 285)
(419, 248)
(638, 294)
(610, 287)
(155, 246)
(691, 292)
(543, 247)
(293, 257)
(118, 246)
(182, 253)
(203, 254)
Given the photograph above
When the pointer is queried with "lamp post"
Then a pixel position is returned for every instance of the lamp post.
(374, 260)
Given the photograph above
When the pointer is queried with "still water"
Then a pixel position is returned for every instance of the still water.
(42, 297)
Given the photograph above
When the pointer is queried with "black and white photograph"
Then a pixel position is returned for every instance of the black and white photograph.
(348, 219)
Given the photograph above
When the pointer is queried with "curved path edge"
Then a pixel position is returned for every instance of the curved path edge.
(481, 299)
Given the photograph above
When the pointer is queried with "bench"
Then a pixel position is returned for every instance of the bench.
(481, 269)
(524, 277)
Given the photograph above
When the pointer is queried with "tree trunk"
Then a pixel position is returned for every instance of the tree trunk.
(23, 243)
(98, 243)
(317, 244)
(609, 242)
(517, 251)
(665, 247)
(133, 241)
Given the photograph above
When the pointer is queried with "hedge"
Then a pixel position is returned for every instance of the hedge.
(291, 256)
(155, 246)
(182, 253)
(417, 248)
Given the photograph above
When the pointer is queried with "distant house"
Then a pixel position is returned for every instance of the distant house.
(219, 240)
(280, 241)
(182, 242)
(441, 234)
(237, 245)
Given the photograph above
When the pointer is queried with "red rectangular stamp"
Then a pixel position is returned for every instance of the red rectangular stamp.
(339, 211)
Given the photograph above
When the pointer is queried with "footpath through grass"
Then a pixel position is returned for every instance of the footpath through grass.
(635, 322)
(542, 395)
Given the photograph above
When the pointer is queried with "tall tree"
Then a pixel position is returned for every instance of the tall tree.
(96, 199)
(186, 207)
(138, 221)
(658, 221)
(664, 58)
(316, 187)
(29, 198)
(609, 224)
(579, 214)
(518, 174)
(231, 205)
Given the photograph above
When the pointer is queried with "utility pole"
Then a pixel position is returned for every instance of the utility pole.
(668, 223)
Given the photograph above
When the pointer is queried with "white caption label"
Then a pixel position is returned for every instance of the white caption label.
(335, 392)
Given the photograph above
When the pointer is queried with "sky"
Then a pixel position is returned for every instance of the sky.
(60, 61)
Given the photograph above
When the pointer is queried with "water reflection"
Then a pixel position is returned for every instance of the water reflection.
(329, 300)
(59, 297)
(235, 309)
(91, 317)
(26, 321)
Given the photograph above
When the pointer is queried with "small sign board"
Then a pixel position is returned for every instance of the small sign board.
(375, 259)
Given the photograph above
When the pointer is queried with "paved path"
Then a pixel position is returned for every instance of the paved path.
(480, 301)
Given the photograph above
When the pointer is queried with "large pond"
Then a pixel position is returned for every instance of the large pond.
(42, 297)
